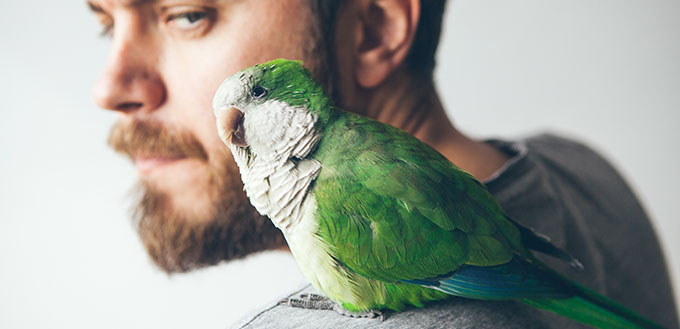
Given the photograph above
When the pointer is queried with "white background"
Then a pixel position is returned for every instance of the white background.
(606, 72)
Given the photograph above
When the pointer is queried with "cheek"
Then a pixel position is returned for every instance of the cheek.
(190, 102)
(249, 33)
(254, 32)
(191, 87)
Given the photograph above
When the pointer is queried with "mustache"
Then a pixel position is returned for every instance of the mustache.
(150, 138)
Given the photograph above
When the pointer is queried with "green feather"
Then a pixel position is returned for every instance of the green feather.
(399, 219)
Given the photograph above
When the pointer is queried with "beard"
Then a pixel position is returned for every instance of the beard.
(231, 228)
(180, 241)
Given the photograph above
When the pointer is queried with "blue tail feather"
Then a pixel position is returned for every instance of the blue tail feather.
(516, 279)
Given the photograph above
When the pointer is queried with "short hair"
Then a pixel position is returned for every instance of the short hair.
(421, 57)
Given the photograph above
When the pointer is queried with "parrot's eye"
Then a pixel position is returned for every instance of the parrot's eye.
(258, 92)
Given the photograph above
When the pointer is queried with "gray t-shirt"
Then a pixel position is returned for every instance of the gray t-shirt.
(566, 191)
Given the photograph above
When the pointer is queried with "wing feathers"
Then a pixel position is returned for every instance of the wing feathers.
(423, 217)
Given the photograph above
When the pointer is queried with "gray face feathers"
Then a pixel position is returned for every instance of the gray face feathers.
(254, 114)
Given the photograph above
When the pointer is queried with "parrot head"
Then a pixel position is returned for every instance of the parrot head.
(270, 110)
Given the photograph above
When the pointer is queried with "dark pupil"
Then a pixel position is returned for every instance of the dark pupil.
(194, 17)
(258, 91)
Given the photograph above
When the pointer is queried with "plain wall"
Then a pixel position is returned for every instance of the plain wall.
(604, 72)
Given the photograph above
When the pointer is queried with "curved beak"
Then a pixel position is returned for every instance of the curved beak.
(230, 126)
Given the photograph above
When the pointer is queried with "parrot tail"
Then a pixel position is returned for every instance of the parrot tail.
(537, 285)
(593, 309)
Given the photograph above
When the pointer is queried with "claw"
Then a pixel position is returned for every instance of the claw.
(318, 302)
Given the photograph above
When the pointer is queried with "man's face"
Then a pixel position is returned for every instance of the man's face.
(167, 59)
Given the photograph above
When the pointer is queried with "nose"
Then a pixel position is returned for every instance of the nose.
(130, 81)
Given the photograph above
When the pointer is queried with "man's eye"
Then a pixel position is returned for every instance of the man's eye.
(107, 31)
(105, 19)
(188, 20)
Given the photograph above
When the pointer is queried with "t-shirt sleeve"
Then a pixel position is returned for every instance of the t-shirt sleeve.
(453, 313)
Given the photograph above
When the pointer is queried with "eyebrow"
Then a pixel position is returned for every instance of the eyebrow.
(126, 3)
(134, 3)
(95, 8)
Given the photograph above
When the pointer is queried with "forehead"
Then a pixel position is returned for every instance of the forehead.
(138, 3)
(118, 3)
(130, 3)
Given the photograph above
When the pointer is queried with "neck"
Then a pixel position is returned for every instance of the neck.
(415, 107)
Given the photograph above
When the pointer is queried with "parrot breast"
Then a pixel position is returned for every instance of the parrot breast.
(314, 257)
(276, 191)
(274, 167)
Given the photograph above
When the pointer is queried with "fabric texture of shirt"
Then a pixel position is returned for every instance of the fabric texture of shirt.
(561, 189)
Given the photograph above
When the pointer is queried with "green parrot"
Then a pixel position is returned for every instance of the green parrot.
(377, 219)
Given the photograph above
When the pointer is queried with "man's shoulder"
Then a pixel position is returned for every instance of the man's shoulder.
(563, 152)
(569, 192)
(581, 172)
(451, 313)
(559, 165)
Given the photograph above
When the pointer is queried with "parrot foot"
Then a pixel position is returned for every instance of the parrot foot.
(370, 314)
(309, 301)
(318, 302)
(313, 297)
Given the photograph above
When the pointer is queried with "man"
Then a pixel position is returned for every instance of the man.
(376, 58)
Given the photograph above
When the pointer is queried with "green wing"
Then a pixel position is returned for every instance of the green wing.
(395, 209)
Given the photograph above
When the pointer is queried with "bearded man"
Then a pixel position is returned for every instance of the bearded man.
(376, 58)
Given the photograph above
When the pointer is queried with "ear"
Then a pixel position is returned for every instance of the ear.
(386, 33)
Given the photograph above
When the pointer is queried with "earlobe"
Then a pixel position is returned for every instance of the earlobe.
(384, 38)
